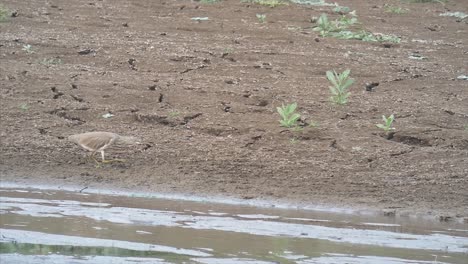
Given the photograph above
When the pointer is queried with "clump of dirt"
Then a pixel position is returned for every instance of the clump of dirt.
(202, 94)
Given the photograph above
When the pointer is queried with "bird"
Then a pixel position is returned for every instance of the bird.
(99, 141)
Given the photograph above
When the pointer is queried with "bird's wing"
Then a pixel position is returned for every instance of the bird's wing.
(95, 142)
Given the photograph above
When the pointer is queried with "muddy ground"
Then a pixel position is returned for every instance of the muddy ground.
(202, 97)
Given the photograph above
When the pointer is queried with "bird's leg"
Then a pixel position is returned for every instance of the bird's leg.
(102, 156)
(91, 157)
(109, 161)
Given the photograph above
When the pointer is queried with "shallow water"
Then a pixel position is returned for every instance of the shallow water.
(52, 226)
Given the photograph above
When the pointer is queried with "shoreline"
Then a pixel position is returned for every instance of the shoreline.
(231, 200)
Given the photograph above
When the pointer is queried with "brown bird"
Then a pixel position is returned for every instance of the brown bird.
(99, 141)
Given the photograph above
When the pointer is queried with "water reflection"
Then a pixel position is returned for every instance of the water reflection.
(62, 225)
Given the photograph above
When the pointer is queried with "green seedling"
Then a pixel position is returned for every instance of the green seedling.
(313, 124)
(366, 36)
(387, 125)
(51, 61)
(346, 21)
(297, 129)
(28, 49)
(458, 14)
(341, 9)
(261, 18)
(4, 13)
(381, 38)
(209, 1)
(324, 26)
(339, 29)
(340, 85)
(293, 140)
(427, 1)
(228, 50)
(395, 9)
(269, 3)
(288, 116)
(24, 107)
(312, 2)
(328, 28)
(174, 113)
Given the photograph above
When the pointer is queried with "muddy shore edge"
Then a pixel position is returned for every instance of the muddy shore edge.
(321, 204)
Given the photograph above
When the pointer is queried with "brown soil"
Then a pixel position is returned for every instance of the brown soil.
(202, 96)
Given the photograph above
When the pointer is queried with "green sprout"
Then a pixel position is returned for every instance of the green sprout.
(340, 83)
(312, 2)
(261, 18)
(293, 140)
(427, 1)
(209, 1)
(395, 9)
(174, 113)
(313, 124)
(288, 116)
(51, 61)
(228, 51)
(339, 29)
(387, 125)
(323, 25)
(4, 13)
(24, 107)
(328, 28)
(366, 36)
(269, 3)
(342, 9)
(28, 49)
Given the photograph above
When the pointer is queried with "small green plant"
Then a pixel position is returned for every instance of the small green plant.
(261, 18)
(324, 26)
(297, 129)
(4, 13)
(293, 140)
(228, 51)
(269, 3)
(426, 1)
(328, 28)
(313, 124)
(174, 113)
(346, 21)
(387, 125)
(366, 36)
(395, 9)
(28, 49)
(459, 15)
(381, 38)
(24, 107)
(209, 1)
(339, 29)
(288, 115)
(51, 61)
(312, 2)
(340, 85)
(341, 9)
